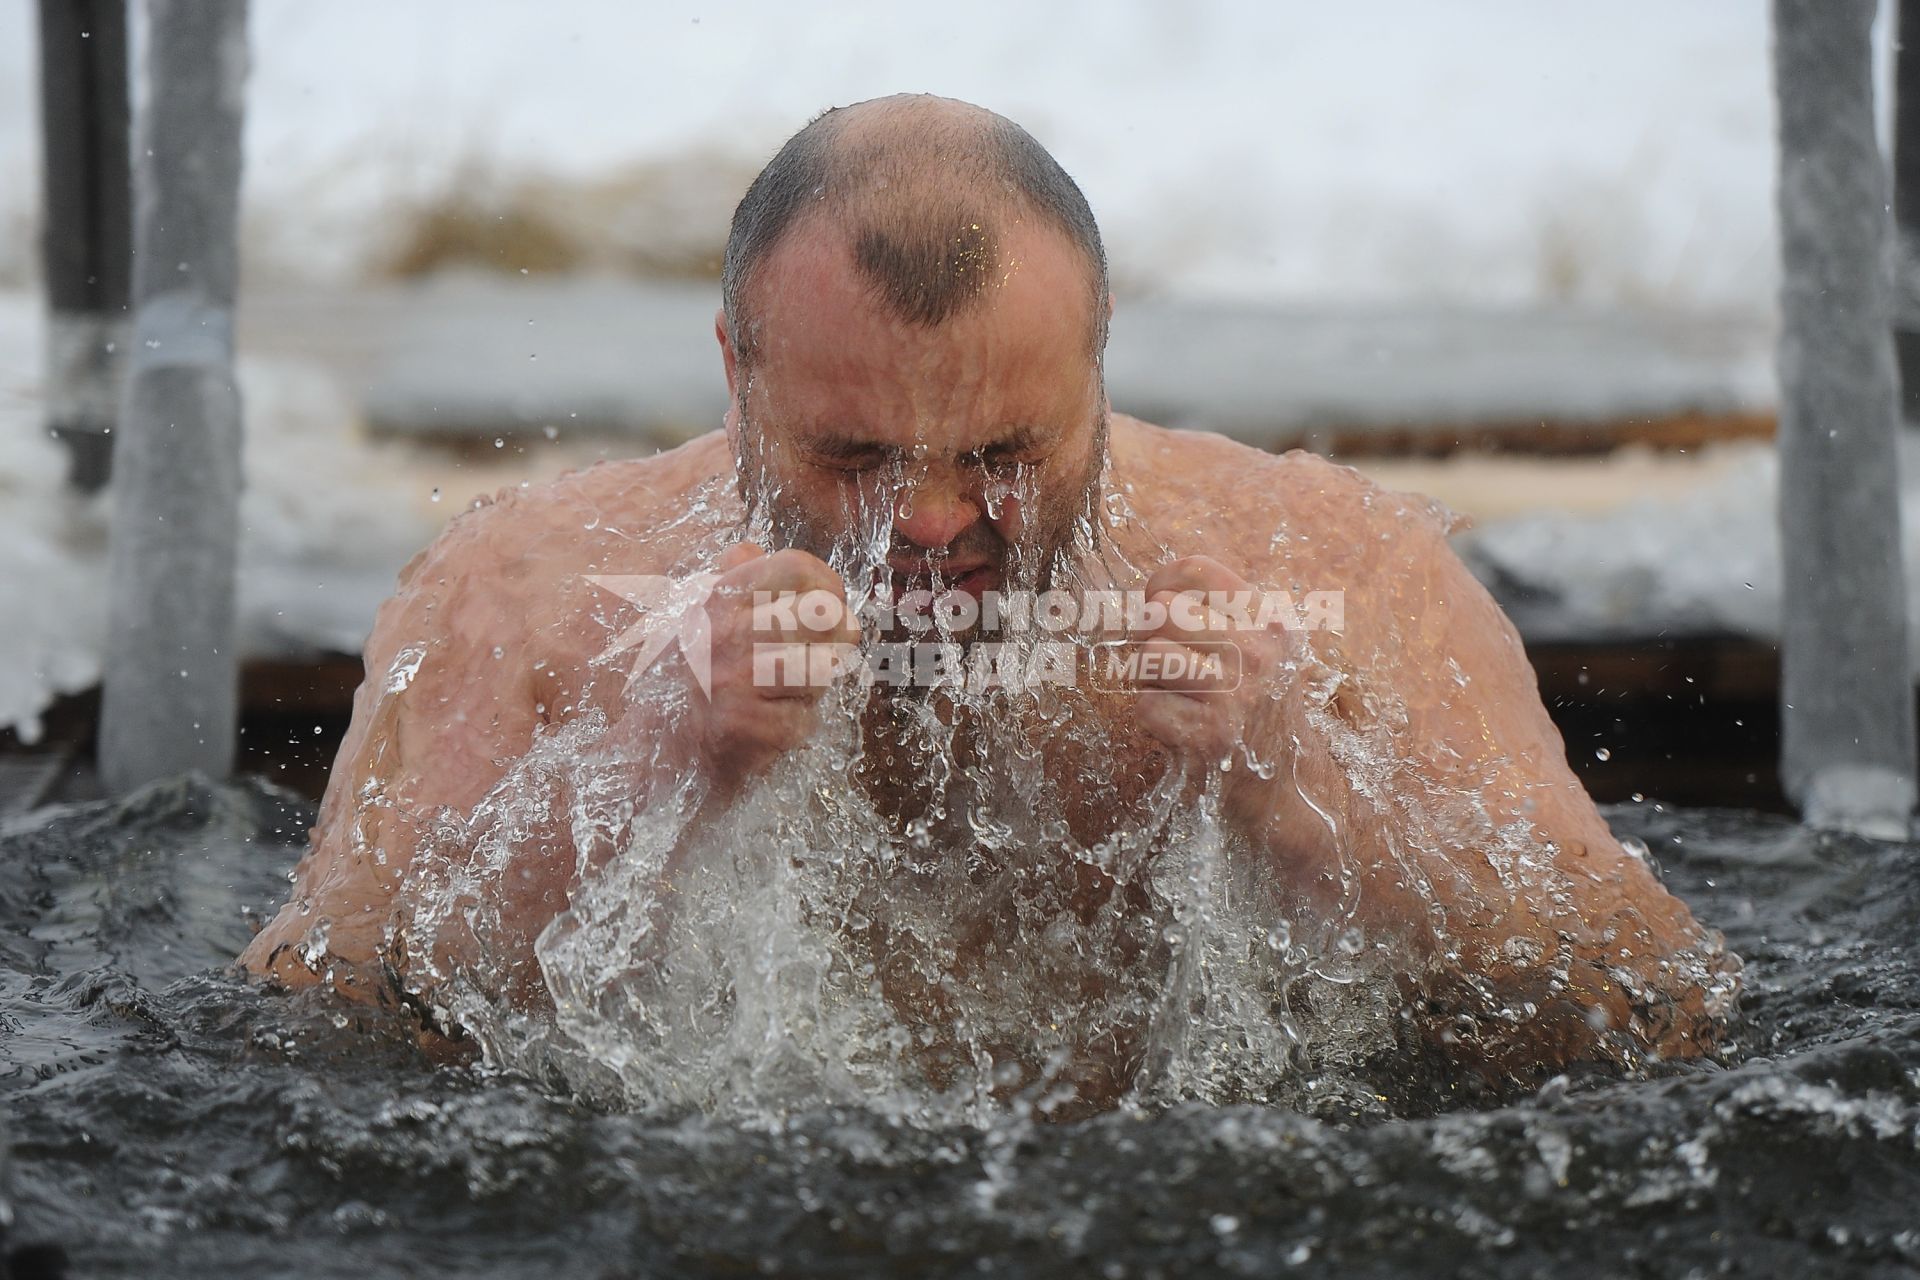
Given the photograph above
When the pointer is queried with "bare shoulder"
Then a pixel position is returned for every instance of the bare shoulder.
(1414, 623)
(617, 515)
(1203, 493)
(467, 660)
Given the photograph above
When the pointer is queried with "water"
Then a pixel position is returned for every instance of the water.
(958, 899)
(950, 898)
(168, 1118)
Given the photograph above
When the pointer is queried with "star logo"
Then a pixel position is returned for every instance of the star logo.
(672, 609)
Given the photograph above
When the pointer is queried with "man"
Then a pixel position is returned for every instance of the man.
(915, 307)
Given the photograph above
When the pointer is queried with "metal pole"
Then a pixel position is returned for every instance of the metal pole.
(1906, 204)
(1847, 723)
(169, 693)
(88, 231)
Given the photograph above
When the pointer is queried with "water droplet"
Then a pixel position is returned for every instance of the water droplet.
(436, 495)
(1602, 753)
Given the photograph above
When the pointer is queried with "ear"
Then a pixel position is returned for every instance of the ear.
(727, 355)
(1106, 402)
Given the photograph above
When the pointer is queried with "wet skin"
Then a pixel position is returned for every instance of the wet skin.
(839, 400)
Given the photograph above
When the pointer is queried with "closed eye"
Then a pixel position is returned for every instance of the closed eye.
(854, 456)
(995, 460)
(854, 464)
(1024, 445)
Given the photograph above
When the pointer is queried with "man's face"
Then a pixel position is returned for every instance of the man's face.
(958, 456)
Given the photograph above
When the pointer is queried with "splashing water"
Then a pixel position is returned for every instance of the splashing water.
(950, 898)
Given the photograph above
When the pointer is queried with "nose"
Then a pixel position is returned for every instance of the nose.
(933, 513)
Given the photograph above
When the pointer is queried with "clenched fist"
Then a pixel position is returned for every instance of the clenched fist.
(1207, 669)
(760, 702)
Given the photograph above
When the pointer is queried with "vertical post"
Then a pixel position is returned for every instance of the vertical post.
(1847, 724)
(88, 224)
(169, 691)
(1906, 203)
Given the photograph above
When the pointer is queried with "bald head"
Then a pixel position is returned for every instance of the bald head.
(923, 191)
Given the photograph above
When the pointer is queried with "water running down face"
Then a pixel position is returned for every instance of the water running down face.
(960, 455)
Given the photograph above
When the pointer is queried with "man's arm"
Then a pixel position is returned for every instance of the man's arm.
(1420, 727)
(1419, 789)
(435, 723)
(451, 833)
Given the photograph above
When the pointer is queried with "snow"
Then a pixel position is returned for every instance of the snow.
(1705, 560)
(1498, 151)
(327, 520)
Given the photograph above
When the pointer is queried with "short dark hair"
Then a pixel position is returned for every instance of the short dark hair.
(920, 209)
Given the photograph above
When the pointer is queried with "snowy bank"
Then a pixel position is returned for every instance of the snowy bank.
(1383, 151)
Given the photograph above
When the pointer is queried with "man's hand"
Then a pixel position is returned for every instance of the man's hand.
(755, 711)
(1204, 711)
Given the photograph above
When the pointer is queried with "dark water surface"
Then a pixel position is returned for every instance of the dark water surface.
(168, 1119)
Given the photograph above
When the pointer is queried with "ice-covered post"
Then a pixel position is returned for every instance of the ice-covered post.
(169, 691)
(88, 235)
(1847, 720)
